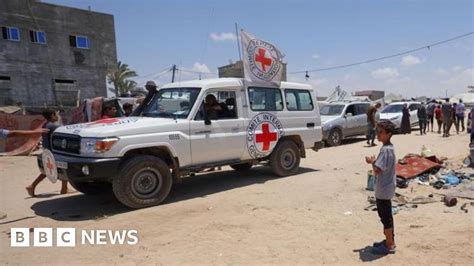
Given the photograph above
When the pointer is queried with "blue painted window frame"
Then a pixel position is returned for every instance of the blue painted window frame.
(82, 42)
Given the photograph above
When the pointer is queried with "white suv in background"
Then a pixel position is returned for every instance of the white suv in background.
(393, 112)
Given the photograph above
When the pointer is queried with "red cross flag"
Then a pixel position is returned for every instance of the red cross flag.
(262, 61)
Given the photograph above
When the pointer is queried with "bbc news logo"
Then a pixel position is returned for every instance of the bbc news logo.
(66, 237)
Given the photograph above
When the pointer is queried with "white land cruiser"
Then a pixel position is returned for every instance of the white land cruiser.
(184, 128)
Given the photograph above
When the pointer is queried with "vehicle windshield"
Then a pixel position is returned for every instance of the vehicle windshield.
(172, 103)
(395, 108)
(331, 109)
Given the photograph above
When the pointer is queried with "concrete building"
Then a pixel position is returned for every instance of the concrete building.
(52, 54)
(235, 70)
(372, 94)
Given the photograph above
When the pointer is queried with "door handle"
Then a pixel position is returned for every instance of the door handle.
(203, 132)
(310, 125)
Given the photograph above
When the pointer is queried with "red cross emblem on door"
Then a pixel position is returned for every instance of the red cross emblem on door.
(264, 61)
(266, 137)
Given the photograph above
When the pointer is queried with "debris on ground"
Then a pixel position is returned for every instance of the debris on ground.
(428, 178)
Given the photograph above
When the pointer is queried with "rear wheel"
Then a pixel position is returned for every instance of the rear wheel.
(143, 181)
(285, 159)
(241, 166)
(91, 188)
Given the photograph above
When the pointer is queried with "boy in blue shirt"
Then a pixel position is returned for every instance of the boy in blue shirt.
(384, 167)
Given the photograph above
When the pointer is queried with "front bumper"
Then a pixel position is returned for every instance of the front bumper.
(70, 168)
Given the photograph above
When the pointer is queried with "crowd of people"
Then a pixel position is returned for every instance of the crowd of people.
(445, 114)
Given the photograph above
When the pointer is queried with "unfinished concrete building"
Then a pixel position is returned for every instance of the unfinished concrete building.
(53, 55)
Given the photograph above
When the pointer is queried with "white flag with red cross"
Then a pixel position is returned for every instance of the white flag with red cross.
(262, 61)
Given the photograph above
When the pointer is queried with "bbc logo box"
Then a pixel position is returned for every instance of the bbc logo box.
(43, 237)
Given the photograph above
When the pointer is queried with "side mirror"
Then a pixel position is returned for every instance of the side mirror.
(207, 121)
(348, 114)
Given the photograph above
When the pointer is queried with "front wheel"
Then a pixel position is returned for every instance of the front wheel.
(143, 181)
(285, 159)
(335, 137)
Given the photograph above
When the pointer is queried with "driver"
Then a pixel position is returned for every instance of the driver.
(213, 109)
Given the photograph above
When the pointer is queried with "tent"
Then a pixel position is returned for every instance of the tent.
(391, 97)
(467, 98)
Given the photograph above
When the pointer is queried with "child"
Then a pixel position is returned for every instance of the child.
(384, 168)
(52, 117)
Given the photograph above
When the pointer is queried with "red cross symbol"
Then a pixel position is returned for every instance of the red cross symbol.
(105, 121)
(266, 137)
(264, 61)
(49, 165)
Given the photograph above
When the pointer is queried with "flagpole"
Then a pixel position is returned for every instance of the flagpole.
(238, 43)
(244, 99)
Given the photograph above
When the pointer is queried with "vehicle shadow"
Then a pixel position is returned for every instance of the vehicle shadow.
(80, 207)
(210, 183)
(366, 255)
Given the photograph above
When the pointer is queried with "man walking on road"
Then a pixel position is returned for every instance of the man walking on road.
(446, 109)
(460, 110)
(421, 113)
(430, 113)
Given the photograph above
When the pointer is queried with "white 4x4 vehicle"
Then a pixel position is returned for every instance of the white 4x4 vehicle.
(184, 128)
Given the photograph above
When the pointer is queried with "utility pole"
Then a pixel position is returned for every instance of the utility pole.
(174, 70)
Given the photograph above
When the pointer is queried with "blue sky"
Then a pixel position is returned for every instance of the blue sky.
(200, 36)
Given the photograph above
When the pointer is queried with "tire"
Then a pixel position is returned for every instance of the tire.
(241, 167)
(143, 181)
(334, 138)
(91, 188)
(285, 159)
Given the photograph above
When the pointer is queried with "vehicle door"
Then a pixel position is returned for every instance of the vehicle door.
(361, 118)
(217, 131)
(350, 117)
(413, 107)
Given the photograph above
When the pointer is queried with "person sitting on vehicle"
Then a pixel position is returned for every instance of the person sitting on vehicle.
(109, 112)
(213, 109)
(128, 109)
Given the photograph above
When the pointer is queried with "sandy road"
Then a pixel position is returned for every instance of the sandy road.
(226, 217)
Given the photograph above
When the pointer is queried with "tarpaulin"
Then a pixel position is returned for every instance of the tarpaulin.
(19, 145)
(412, 166)
(89, 110)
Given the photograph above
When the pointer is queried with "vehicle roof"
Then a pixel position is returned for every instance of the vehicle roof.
(228, 82)
(344, 103)
(401, 103)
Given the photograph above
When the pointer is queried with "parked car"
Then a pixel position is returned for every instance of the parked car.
(184, 128)
(341, 120)
(393, 112)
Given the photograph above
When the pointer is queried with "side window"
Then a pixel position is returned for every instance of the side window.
(351, 109)
(265, 99)
(298, 100)
(361, 109)
(218, 105)
(414, 107)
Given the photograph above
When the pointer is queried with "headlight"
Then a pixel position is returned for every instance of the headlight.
(94, 145)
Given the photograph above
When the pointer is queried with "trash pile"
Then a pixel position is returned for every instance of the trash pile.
(428, 170)
(430, 175)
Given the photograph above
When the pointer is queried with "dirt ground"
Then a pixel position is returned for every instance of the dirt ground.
(314, 217)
